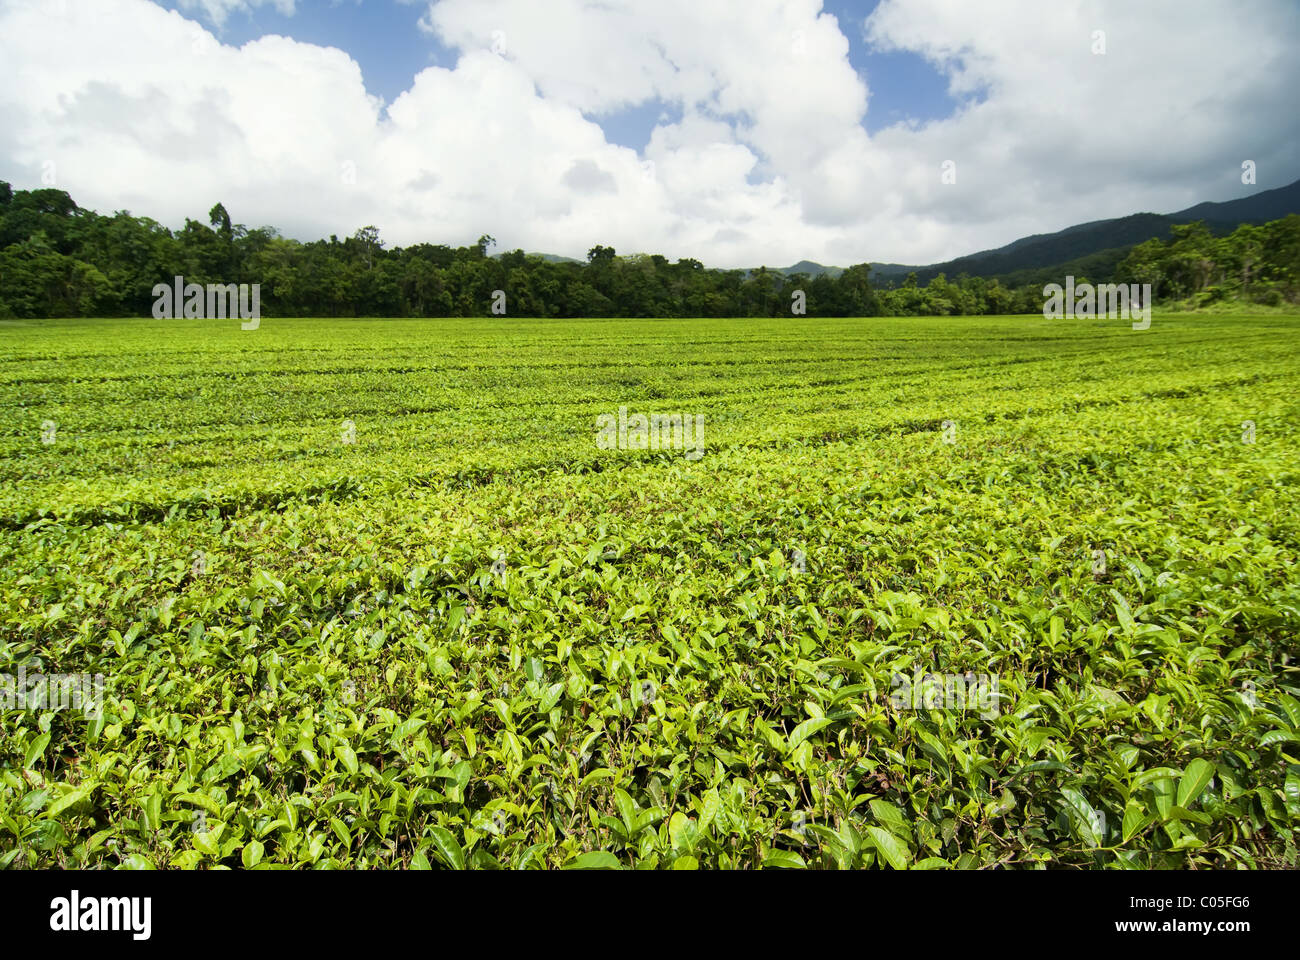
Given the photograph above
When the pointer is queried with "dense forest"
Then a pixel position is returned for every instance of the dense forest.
(58, 259)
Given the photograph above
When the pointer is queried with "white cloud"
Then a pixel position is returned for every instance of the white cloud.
(767, 162)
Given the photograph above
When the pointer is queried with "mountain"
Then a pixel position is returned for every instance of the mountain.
(811, 269)
(548, 257)
(1093, 249)
(1101, 244)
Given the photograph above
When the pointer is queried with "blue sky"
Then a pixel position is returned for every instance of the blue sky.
(382, 36)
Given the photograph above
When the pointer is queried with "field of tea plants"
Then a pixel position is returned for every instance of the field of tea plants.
(367, 594)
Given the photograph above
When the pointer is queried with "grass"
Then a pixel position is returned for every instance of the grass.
(366, 593)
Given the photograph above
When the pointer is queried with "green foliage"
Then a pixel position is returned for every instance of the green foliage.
(472, 639)
(58, 260)
(1256, 263)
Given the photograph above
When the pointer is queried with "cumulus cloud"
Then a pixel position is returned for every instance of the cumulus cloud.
(763, 159)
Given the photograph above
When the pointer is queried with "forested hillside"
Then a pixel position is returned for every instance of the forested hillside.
(1096, 248)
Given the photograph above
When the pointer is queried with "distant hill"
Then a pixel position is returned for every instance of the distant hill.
(811, 269)
(1092, 249)
(1102, 243)
(549, 257)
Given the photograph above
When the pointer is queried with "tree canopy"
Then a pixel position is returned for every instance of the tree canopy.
(59, 259)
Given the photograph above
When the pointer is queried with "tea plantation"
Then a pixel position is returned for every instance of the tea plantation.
(940, 592)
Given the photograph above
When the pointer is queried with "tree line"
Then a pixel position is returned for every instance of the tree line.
(60, 260)
(1257, 263)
